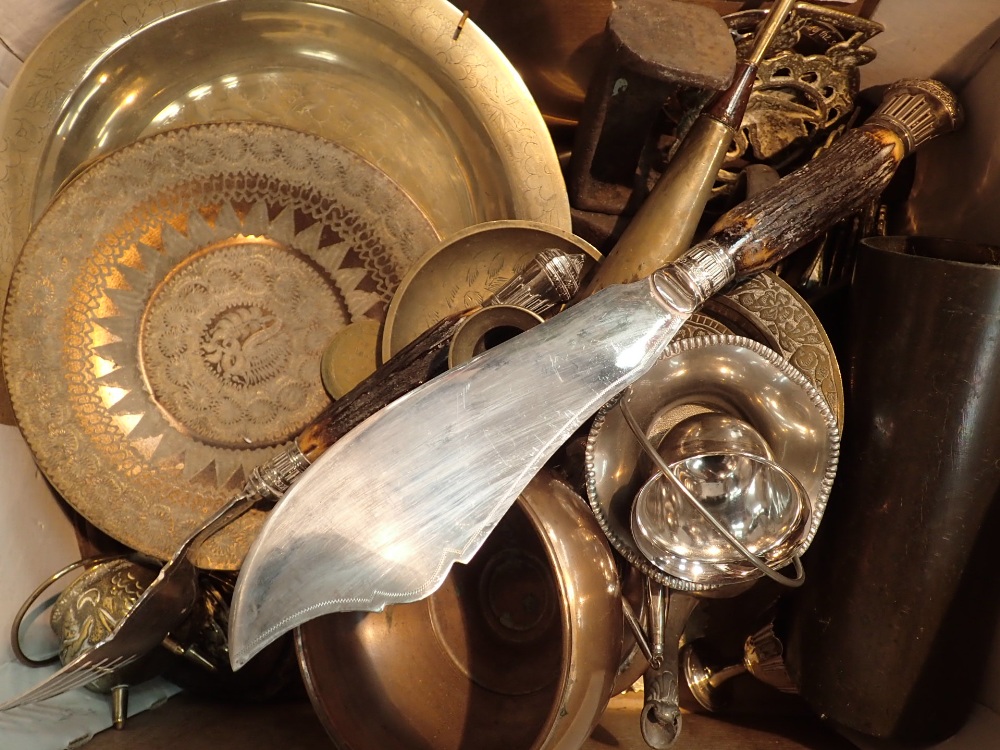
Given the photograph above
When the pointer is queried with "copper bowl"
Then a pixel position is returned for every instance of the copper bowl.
(518, 649)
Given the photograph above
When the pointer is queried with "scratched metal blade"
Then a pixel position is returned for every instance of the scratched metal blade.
(384, 513)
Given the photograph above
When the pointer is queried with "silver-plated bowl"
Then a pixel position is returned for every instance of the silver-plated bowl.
(758, 503)
(724, 373)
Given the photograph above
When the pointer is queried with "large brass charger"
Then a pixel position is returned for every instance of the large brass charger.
(518, 649)
(445, 115)
(169, 312)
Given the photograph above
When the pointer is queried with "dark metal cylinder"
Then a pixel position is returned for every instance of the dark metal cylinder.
(889, 633)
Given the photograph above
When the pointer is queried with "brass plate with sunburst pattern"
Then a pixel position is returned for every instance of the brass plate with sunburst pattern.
(169, 312)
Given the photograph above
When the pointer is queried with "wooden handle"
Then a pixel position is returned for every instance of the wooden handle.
(416, 363)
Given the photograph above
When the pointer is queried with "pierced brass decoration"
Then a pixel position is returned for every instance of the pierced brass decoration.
(805, 88)
(169, 313)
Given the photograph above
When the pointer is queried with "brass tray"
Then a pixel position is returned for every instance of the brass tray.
(448, 119)
(169, 312)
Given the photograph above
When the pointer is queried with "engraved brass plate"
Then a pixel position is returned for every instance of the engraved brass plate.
(445, 116)
(169, 313)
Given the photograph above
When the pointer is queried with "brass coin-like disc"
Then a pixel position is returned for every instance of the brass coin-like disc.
(169, 312)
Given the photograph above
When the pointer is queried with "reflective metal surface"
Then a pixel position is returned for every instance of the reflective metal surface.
(762, 657)
(713, 432)
(466, 269)
(516, 650)
(190, 314)
(760, 506)
(448, 119)
(474, 435)
(730, 375)
(469, 450)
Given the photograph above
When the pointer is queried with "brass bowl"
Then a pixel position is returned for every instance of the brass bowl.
(448, 119)
(467, 268)
(518, 649)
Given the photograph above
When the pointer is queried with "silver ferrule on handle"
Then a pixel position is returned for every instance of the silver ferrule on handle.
(701, 272)
(552, 278)
(271, 480)
(918, 109)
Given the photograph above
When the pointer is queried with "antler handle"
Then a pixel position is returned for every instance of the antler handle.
(855, 170)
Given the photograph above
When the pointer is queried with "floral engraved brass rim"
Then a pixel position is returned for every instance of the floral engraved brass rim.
(443, 114)
(169, 313)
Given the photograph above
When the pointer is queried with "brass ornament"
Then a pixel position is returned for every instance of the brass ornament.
(87, 611)
(768, 310)
(169, 313)
(805, 89)
(803, 97)
(467, 269)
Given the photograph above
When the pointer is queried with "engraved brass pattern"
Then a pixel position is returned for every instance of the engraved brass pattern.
(768, 310)
(88, 610)
(169, 313)
(447, 118)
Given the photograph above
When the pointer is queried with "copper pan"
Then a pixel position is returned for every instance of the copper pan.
(518, 649)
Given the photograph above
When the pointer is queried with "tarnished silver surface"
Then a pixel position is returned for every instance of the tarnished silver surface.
(447, 118)
(167, 319)
(724, 373)
(496, 436)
